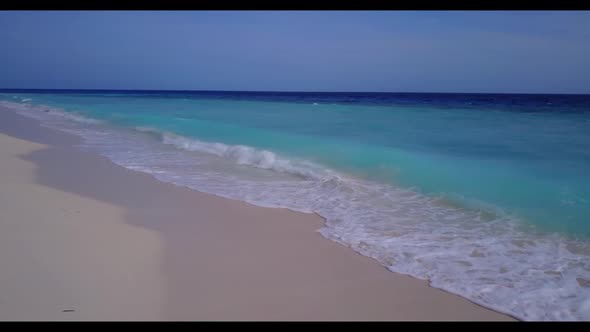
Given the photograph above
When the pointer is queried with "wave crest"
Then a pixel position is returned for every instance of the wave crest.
(244, 155)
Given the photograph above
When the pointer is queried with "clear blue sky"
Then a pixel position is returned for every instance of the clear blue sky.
(539, 52)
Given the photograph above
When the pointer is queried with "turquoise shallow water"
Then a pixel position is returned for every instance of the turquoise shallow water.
(430, 185)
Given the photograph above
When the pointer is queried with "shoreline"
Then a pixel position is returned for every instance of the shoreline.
(203, 257)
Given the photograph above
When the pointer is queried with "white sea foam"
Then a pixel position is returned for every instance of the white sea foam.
(490, 259)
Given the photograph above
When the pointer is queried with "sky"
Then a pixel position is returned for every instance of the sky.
(381, 51)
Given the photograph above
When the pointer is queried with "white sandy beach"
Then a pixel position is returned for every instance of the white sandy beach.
(84, 239)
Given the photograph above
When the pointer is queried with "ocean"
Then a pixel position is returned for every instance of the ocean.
(484, 195)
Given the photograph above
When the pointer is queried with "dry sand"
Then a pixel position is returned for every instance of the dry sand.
(84, 239)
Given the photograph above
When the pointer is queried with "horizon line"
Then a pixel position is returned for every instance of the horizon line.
(293, 91)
